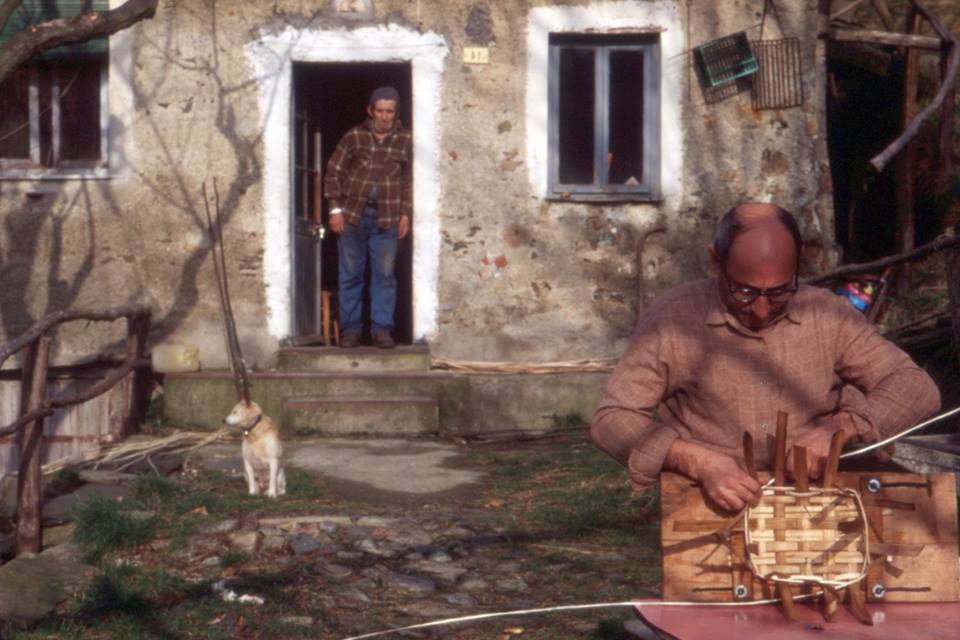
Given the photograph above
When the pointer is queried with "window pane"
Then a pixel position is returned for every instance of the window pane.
(15, 115)
(626, 117)
(80, 109)
(576, 116)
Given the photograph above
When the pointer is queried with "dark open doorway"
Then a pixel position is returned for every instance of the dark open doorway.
(864, 103)
(330, 99)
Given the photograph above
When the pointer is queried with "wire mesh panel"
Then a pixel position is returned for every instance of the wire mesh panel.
(778, 83)
(726, 59)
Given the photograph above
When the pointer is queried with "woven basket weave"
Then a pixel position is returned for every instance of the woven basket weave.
(817, 537)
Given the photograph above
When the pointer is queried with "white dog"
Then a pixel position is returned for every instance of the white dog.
(261, 449)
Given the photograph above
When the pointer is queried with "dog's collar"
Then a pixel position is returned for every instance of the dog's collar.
(252, 426)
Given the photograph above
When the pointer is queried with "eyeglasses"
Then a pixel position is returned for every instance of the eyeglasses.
(745, 294)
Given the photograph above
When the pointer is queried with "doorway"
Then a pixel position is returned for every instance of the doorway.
(328, 100)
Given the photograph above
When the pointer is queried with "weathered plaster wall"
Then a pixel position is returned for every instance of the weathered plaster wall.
(517, 277)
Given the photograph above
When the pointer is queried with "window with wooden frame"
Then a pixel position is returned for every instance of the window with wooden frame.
(54, 109)
(604, 117)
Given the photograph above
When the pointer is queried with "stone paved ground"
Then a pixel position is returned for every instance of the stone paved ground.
(404, 534)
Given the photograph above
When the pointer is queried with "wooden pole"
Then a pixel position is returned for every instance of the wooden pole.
(944, 165)
(29, 536)
(951, 260)
(907, 160)
(867, 36)
(880, 6)
(138, 330)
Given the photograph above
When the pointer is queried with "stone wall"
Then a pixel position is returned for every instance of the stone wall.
(501, 272)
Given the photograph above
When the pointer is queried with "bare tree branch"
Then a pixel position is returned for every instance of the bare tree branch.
(57, 317)
(941, 243)
(6, 10)
(81, 28)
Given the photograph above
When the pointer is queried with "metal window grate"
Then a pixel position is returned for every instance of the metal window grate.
(779, 81)
(726, 59)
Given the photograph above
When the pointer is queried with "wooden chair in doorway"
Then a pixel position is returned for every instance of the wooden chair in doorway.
(327, 308)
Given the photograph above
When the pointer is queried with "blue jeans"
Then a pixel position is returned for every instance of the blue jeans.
(353, 246)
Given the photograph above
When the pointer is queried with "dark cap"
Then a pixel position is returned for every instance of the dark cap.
(384, 93)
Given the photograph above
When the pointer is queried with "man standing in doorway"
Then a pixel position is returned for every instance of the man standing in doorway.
(369, 183)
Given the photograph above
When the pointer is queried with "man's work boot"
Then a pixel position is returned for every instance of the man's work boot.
(349, 340)
(384, 340)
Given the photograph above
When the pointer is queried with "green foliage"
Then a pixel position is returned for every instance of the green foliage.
(103, 526)
(234, 558)
(153, 418)
(113, 591)
(566, 420)
(610, 629)
(62, 482)
(155, 490)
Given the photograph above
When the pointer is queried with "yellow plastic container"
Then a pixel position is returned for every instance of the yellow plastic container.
(175, 358)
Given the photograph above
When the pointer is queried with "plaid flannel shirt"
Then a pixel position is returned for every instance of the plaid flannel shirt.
(709, 379)
(361, 162)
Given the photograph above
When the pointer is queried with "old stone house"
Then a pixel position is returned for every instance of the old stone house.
(571, 160)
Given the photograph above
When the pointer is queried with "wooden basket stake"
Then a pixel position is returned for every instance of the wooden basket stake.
(748, 460)
(780, 456)
(833, 460)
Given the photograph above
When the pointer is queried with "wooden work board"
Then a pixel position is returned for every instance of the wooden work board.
(912, 535)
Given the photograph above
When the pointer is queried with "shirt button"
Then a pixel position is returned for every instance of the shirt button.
(763, 426)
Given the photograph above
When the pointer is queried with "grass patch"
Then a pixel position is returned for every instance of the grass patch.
(155, 490)
(125, 602)
(303, 486)
(572, 490)
(103, 526)
(234, 558)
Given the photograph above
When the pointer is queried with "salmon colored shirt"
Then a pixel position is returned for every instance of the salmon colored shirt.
(692, 371)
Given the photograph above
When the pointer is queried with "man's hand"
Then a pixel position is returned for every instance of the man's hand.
(336, 222)
(817, 442)
(726, 484)
(403, 227)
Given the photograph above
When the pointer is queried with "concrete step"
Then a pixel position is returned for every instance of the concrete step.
(205, 398)
(380, 415)
(400, 358)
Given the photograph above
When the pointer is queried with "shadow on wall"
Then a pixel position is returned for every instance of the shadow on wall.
(175, 193)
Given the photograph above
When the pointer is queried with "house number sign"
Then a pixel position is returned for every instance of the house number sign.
(476, 55)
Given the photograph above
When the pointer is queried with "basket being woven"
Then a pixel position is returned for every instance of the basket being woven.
(818, 536)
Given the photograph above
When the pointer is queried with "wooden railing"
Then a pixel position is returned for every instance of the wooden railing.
(35, 406)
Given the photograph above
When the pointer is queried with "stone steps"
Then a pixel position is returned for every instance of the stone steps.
(381, 415)
(348, 378)
(401, 358)
(205, 398)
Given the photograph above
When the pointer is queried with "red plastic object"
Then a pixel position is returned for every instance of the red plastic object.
(895, 621)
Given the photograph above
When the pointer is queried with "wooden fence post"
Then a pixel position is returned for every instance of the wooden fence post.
(29, 537)
(138, 329)
(906, 161)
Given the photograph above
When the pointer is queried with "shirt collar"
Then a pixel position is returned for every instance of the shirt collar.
(717, 313)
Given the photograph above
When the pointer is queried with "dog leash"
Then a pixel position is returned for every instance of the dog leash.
(636, 604)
